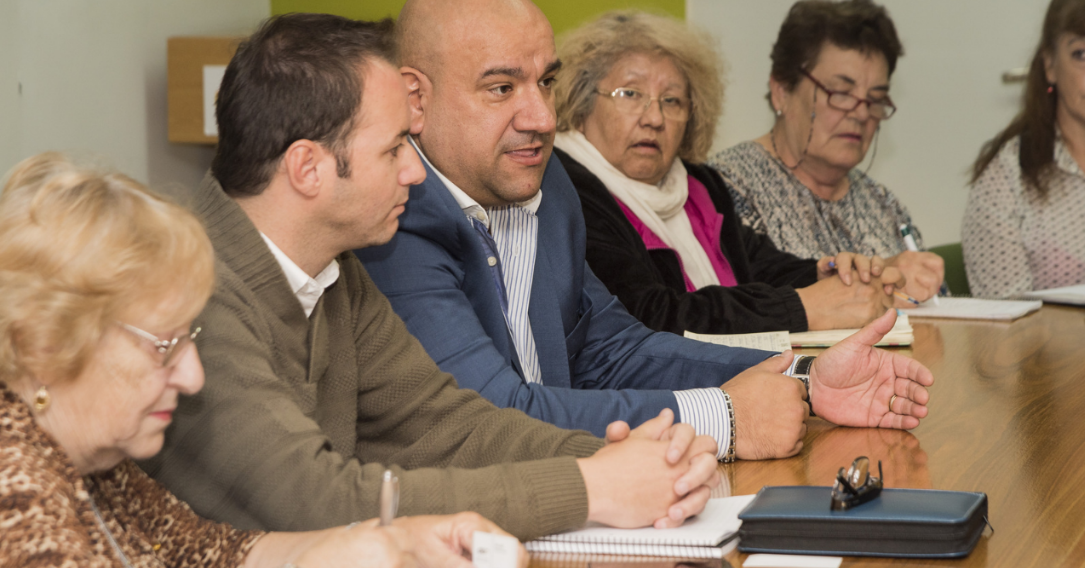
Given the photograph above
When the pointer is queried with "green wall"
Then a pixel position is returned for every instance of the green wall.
(563, 14)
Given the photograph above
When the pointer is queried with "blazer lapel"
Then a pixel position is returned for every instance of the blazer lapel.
(429, 198)
(544, 310)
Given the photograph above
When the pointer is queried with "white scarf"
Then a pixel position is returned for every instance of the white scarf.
(660, 207)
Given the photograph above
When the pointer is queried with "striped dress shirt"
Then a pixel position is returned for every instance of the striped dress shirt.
(514, 229)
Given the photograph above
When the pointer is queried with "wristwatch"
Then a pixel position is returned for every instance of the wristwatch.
(800, 369)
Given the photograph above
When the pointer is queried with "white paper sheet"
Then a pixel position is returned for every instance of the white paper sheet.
(791, 561)
(975, 308)
(778, 341)
(1073, 295)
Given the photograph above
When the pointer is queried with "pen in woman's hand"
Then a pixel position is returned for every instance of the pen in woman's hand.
(906, 297)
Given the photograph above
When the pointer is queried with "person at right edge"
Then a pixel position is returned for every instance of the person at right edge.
(1023, 225)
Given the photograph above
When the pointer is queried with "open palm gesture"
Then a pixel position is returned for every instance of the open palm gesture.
(854, 383)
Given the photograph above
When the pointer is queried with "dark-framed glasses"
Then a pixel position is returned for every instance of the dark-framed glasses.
(856, 486)
(167, 348)
(631, 101)
(880, 109)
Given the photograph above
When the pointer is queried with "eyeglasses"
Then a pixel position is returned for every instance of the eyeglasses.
(879, 109)
(856, 486)
(631, 101)
(168, 348)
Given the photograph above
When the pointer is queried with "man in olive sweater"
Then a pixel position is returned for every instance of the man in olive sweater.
(314, 386)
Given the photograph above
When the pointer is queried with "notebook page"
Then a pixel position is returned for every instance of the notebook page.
(718, 522)
(901, 334)
(778, 341)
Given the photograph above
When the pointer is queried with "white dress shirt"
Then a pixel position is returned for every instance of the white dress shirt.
(306, 288)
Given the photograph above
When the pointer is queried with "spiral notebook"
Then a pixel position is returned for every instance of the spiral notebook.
(699, 537)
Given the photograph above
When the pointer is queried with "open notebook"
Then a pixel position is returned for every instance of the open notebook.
(699, 537)
(780, 341)
(901, 334)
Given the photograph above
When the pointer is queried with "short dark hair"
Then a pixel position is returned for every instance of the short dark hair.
(852, 24)
(296, 78)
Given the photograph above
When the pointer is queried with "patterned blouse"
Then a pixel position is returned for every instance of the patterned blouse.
(46, 518)
(1014, 241)
(773, 202)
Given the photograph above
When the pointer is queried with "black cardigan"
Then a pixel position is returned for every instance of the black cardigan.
(651, 285)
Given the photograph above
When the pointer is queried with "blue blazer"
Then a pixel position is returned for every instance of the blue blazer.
(598, 363)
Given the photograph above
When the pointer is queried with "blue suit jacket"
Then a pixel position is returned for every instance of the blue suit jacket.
(598, 363)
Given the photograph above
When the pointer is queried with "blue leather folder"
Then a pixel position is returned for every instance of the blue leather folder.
(900, 523)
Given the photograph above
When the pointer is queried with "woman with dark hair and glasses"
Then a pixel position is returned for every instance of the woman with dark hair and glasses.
(1023, 225)
(799, 183)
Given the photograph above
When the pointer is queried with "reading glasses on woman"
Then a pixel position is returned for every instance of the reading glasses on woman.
(167, 348)
(631, 101)
(800, 184)
(880, 109)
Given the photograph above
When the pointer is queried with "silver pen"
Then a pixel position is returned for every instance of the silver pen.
(389, 498)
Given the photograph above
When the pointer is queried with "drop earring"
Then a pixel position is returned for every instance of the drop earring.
(1051, 88)
(42, 399)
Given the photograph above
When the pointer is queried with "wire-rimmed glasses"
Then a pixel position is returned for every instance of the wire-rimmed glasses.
(167, 348)
(880, 109)
(631, 101)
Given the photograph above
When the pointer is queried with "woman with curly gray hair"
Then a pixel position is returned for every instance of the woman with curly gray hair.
(638, 98)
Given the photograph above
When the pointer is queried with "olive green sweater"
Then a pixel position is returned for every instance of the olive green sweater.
(300, 416)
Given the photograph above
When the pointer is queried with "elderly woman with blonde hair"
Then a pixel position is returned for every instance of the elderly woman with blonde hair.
(100, 282)
(638, 98)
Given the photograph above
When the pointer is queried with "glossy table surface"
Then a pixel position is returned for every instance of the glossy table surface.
(1007, 418)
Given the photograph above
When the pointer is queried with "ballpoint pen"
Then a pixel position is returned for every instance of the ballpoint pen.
(909, 243)
(906, 297)
(389, 498)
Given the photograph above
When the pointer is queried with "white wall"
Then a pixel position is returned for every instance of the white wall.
(93, 79)
(9, 84)
(947, 86)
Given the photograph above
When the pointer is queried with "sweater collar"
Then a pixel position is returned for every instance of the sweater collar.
(240, 247)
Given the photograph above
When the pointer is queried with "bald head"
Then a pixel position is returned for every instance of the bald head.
(429, 31)
(480, 78)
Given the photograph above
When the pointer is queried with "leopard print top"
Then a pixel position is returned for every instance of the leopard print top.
(46, 517)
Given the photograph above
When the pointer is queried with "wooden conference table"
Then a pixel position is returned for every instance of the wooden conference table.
(1007, 418)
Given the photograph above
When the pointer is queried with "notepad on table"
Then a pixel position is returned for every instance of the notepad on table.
(778, 341)
(900, 335)
(1073, 295)
(699, 537)
(975, 308)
